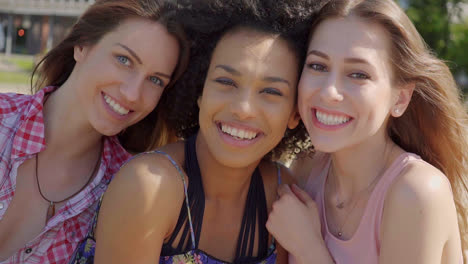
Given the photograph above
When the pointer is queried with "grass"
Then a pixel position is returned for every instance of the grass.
(24, 63)
(15, 77)
(21, 69)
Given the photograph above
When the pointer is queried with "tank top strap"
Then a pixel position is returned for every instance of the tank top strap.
(376, 202)
(278, 173)
(393, 171)
(182, 176)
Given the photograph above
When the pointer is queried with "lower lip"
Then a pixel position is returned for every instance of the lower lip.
(111, 111)
(235, 142)
(322, 126)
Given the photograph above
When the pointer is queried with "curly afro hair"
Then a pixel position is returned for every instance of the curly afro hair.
(206, 22)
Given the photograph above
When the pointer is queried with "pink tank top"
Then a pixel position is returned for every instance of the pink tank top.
(364, 246)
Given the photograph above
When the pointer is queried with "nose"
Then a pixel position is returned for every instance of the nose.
(330, 91)
(131, 88)
(242, 105)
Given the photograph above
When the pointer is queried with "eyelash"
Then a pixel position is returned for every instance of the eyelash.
(123, 60)
(321, 68)
(156, 81)
(272, 91)
(316, 67)
(225, 81)
(359, 75)
(229, 82)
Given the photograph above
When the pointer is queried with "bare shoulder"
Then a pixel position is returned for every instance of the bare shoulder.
(419, 218)
(150, 173)
(145, 186)
(422, 186)
(142, 198)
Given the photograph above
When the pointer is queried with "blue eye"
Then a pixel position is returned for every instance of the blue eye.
(272, 91)
(225, 81)
(316, 67)
(359, 75)
(156, 81)
(123, 60)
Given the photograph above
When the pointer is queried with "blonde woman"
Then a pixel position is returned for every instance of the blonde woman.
(389, 114)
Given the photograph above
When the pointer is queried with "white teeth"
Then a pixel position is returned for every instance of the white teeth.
(115, 106)
(237, 132)
(331, 120)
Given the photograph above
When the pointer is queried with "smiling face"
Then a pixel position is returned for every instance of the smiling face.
(346, 93)
(123, 76)
(248, 98)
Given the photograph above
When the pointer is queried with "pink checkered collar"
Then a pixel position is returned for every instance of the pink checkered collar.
(35, 115)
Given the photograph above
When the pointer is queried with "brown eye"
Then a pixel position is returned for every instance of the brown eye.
(316, 67)
(225, 81)
(272, 91)
(359, 75)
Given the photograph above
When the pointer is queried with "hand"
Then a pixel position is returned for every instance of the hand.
(294, 221)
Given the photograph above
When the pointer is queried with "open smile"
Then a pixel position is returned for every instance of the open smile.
(329, 120)
(238, 135)
(114, 108)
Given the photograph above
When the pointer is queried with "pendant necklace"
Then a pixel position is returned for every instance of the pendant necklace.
(51, 208)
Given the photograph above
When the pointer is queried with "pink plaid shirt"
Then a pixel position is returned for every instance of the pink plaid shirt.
(22, 136)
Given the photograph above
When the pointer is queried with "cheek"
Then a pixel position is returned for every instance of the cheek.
(307, 87)
(151, 98)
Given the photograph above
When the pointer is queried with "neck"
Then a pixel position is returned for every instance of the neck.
(67, 130)
(221, 182)
(358, 167)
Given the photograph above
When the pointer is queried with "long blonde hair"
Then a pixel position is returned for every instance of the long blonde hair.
(435, 124)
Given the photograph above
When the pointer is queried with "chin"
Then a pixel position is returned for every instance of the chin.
(107, 131)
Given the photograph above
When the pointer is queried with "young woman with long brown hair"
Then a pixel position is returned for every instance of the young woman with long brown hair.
(59, 148)
(393, 188)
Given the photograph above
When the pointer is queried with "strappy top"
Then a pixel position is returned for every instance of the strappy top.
(364, 245)
(191, 218)
(187, 250)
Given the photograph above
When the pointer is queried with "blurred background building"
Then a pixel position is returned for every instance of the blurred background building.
(34, 26)
(29, 28)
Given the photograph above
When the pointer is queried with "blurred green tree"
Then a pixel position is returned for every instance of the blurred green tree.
(445, 30)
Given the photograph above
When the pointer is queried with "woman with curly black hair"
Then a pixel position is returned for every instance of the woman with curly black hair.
(206, 199)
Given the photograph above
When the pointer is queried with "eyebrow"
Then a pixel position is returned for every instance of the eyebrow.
(318, 53)
(139, 60)
(237, 73)
(276, 79)
(356, 60)
(228, 69)
(347, 60)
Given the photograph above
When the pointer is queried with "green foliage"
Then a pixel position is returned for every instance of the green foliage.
(443, 29)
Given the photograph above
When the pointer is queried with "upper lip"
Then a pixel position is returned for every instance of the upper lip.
(240, 126)
(331, 112)
(119, 102)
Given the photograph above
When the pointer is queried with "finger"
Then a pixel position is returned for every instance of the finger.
(284, 189)
(302, 195)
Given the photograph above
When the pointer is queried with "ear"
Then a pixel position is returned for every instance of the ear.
(294, 119)
(402, 99)
(79, 52)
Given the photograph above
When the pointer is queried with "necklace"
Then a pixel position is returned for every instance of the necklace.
(356, 198)
(51, 208)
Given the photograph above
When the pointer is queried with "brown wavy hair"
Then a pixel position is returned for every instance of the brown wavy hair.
(435, 124)
(99, 19)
